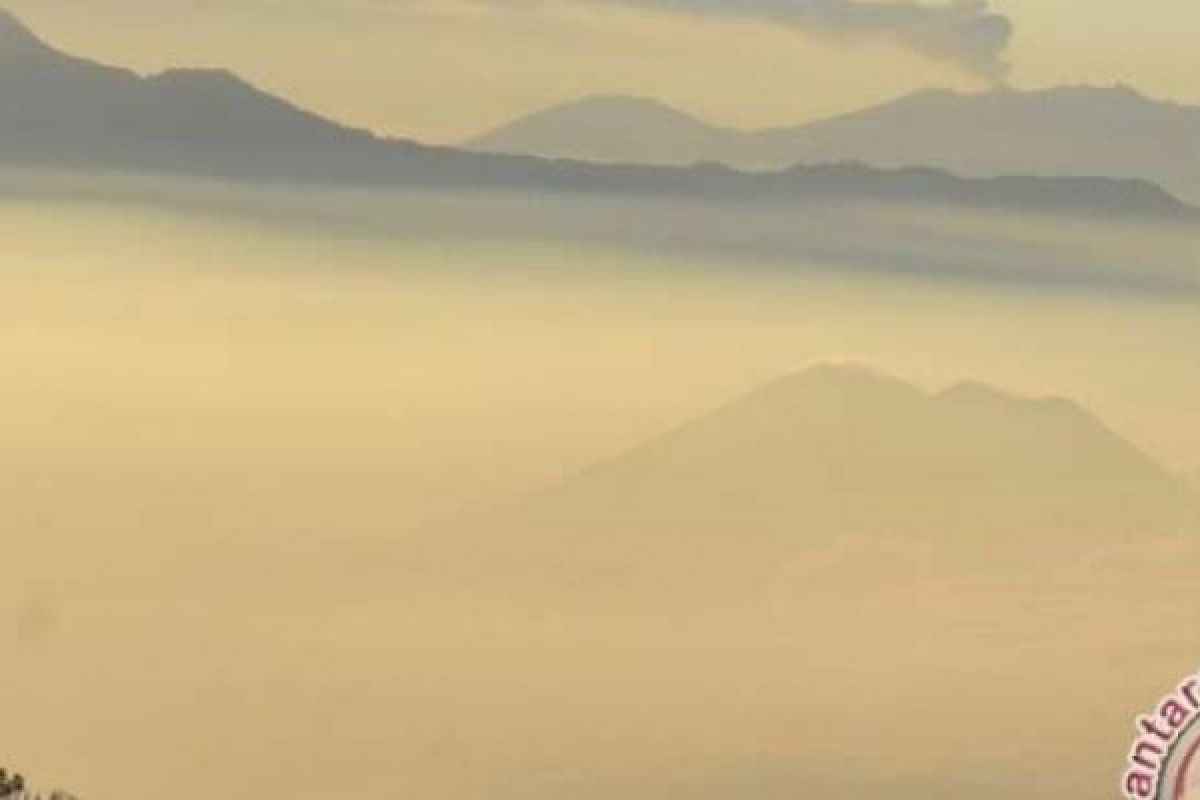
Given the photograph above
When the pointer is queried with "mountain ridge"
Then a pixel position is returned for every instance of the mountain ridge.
(1081, 130)
(659, 134)
(17, 39)
(61, 112)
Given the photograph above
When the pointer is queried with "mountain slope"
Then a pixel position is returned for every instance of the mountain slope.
(1193, 479)
(971, 480)
(63, 111)
(614, 129)
(1065, 131)
(60, 112)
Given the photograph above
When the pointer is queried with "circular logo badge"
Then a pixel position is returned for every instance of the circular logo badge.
(1180, 777)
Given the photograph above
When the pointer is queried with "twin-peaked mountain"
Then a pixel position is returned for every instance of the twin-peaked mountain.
(834, 459)
(1078, 131)
(62, 112)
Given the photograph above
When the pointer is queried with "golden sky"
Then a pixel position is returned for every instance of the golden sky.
(443, 70)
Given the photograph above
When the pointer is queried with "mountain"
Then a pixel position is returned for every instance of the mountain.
(62, 112)
(1064, 131)
(1193, 479)
(1115, 132)
(971, 480)
(615, 129)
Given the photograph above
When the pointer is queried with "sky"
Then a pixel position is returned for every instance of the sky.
(445, 70)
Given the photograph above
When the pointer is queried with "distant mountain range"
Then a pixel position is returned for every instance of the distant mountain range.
(62, 112)
(1066, 131)
(971, 480)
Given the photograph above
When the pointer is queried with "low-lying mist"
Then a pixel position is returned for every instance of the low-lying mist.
(223, 421)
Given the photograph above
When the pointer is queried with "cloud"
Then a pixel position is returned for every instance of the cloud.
(964, 32)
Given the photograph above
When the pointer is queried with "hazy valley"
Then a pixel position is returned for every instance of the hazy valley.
(229, 393)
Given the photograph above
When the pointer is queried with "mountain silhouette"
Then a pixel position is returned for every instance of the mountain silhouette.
(617, 129)
(59, 110)
(62, 112)
(19, 44)
(1062, 131)
(971, 480)
(1193, 478)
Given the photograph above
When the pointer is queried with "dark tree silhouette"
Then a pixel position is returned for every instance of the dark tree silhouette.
(11, 785)
(14, 787)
